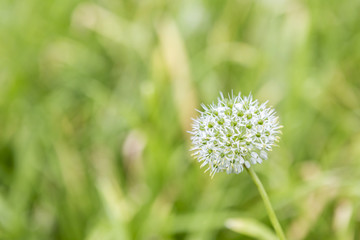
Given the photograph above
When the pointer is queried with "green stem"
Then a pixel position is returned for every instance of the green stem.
(268, 206)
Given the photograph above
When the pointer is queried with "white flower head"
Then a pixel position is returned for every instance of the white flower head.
(233, 133)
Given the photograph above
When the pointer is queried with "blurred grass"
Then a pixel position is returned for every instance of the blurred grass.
(96, 98)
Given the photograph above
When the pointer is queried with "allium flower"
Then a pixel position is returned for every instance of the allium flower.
(233, 133)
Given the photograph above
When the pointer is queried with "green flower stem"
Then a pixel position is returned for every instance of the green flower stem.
(268, 206)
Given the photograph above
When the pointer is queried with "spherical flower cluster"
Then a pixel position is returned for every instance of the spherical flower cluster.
(234, 132)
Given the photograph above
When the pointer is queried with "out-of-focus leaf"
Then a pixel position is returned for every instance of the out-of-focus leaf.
(251, 228)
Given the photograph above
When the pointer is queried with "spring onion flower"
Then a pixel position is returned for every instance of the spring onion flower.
(234, 133)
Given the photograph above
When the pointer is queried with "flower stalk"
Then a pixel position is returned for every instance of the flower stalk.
(271, 213)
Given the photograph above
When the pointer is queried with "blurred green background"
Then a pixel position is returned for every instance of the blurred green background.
(96, 98)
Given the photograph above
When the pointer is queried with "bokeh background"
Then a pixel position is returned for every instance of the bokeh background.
(96, 98)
